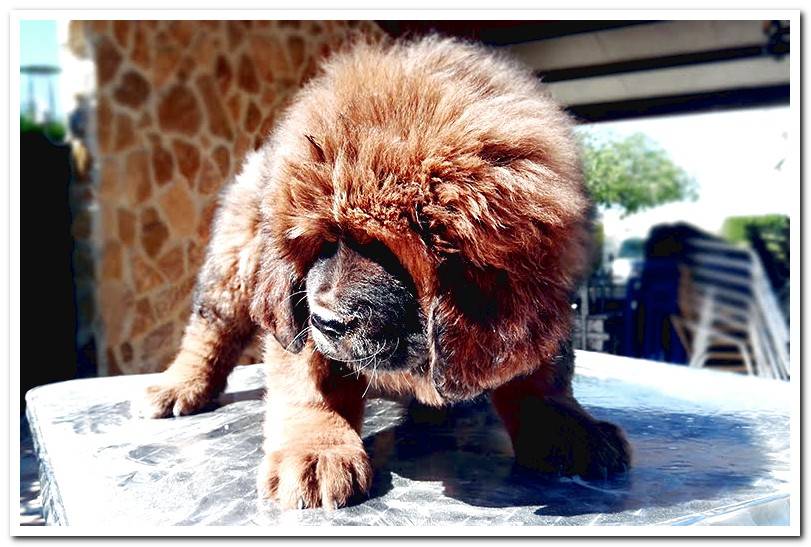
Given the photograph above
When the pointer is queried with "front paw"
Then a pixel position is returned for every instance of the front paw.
(307, 475)
(175, 395)
(567, 441)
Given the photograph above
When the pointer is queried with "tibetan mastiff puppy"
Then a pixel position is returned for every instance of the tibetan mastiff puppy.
(417, 220)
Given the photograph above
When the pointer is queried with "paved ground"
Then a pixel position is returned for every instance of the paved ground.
(30, 507)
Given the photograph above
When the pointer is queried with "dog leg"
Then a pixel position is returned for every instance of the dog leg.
(220, 326)
(552, 433)
(314, 456)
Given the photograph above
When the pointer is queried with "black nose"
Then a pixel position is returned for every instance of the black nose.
(331, 328)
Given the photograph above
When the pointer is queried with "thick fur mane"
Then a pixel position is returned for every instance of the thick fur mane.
(458, 161)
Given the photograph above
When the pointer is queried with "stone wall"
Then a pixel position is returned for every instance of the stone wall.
(177, 105)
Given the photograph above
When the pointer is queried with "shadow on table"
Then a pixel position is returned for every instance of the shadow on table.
(678, 457)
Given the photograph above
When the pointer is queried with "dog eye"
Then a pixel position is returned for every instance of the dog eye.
(328, 249)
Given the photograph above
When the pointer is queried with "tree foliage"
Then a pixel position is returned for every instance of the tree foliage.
(633, 174)
(769, 237)
(53, 130)
(738, 229)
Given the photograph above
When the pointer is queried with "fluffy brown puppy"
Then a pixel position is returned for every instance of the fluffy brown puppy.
(416, 221)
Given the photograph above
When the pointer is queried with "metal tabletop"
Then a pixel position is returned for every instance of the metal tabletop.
(709, 448)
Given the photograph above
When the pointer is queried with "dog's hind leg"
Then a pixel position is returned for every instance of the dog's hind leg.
(551, 432)
(220, 326)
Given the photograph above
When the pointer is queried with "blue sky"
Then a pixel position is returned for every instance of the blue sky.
(38, 46)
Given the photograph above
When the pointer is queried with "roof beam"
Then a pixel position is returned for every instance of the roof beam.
(660, 39)
(681, 104)
(682, 80)
(666, 61)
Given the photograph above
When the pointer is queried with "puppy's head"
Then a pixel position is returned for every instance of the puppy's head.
(425, 212)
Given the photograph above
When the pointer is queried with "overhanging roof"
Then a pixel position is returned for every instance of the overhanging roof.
(608, 70)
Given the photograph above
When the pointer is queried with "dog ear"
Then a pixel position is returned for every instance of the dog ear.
(279, 302)
(486, 328)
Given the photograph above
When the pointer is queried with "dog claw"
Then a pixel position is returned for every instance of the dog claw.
(301, 503)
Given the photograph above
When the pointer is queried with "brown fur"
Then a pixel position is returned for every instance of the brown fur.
(464, 168)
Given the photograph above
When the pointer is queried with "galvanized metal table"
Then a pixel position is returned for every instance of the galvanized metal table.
(710, 448)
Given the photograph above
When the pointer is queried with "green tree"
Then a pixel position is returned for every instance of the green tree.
(768, 236)
(738, 229)
(633, 173)
(53, 130)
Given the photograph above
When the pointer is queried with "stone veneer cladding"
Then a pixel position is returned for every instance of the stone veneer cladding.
(177, 106)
